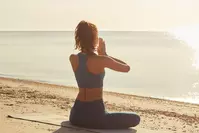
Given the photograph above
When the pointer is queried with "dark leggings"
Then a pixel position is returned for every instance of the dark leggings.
(92, 115)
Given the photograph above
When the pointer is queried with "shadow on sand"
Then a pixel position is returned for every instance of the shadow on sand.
(67, 127)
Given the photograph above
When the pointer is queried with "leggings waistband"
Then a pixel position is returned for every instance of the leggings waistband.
(87, 94)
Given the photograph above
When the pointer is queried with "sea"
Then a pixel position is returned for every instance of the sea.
(163, 64)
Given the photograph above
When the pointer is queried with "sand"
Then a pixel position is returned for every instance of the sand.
(22, 97)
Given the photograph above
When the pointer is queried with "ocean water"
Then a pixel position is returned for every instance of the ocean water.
(162, 64)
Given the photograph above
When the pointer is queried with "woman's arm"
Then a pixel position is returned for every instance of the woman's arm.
(116, 59)
(114, 64)
(109, 61)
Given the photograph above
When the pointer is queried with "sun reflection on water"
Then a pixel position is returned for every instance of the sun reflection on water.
(190, 35)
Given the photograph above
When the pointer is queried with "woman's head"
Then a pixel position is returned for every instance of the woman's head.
(86, 37)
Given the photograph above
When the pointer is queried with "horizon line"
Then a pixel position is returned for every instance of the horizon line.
(74, 30)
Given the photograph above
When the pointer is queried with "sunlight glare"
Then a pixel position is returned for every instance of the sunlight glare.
(189, 34)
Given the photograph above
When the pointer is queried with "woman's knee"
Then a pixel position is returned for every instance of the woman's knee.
(135, 120)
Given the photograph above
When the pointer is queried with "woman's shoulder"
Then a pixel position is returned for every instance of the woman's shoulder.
(73, 57)
(96, 57)
(74, 61)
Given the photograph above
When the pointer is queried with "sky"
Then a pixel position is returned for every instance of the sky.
(130, 15)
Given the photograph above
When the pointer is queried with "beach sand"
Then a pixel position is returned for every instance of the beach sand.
(22, 97)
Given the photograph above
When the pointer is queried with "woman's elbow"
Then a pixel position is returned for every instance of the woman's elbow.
(127, 69)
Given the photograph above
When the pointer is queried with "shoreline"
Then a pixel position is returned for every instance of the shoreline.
(105, 92)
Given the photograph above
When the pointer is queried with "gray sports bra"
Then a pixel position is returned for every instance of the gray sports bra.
(86, 79)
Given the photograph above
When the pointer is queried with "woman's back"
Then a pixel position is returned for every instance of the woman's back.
(88, 72)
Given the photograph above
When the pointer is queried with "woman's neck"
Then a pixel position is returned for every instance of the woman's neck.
(88, 53)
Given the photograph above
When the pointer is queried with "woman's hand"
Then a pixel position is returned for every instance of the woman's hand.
(109, 61)
(101, 47)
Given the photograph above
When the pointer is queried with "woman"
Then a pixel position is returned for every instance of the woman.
(88, 65)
